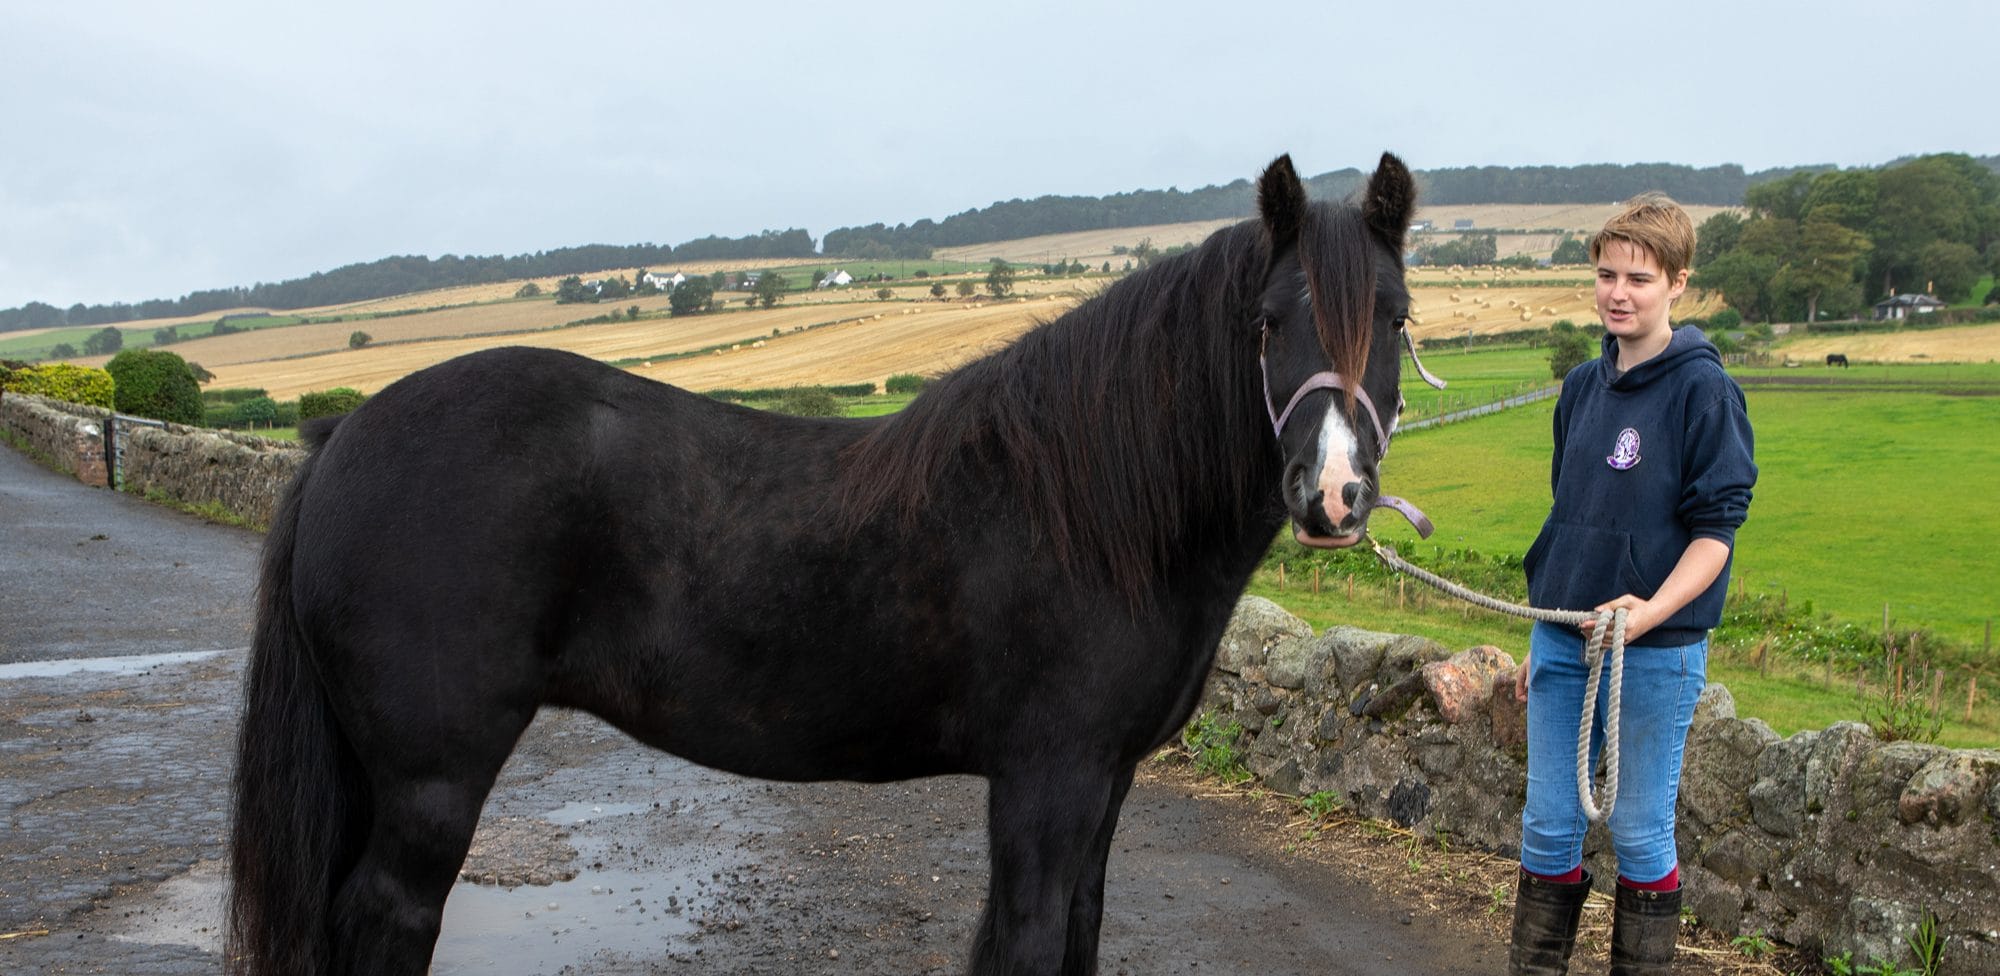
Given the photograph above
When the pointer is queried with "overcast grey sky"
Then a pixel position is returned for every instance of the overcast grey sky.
(150, 149)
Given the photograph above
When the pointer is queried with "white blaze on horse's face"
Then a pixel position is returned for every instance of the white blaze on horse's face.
(1337, 455)
(1338, 461)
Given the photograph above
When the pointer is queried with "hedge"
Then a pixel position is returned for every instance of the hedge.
(63, 381)
(780, 392)
(327, 403)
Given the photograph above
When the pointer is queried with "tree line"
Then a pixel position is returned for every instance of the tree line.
(1722, 185)
(1828, 244)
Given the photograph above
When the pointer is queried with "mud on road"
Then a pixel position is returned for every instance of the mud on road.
(122, 649)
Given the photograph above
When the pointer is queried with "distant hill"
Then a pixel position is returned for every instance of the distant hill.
(1005, 220)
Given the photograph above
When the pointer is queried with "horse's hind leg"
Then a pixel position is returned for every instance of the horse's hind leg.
(425, 803)
(1045, 828)
(1086, 904)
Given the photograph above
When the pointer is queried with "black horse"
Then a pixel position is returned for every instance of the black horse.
(1837, 359)
(1023, 575)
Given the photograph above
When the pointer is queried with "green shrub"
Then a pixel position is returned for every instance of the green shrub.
(260, 411)
(804, 402)
(327, 403)
(156, 384)
(234, 394)
(904, 383)
(1728, 318)
(1572, 349)
(64, 381)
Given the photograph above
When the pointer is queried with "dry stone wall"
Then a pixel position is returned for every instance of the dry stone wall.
(242, 474)
(68, 436)
(1830, 840)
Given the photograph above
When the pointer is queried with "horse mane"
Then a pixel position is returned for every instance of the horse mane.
(1129, 419)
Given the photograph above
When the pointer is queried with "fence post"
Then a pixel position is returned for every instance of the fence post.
(114, 473)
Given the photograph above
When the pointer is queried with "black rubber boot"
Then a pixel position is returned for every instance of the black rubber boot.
(1545, 918)
(1643, 932)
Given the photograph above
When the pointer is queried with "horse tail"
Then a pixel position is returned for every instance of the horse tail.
(298, 807)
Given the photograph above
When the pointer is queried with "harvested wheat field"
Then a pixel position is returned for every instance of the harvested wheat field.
(934, 333)
(323, 337)
(868, 351)
(1962, 344)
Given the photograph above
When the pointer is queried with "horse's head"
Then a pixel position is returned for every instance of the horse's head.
(1334, 310)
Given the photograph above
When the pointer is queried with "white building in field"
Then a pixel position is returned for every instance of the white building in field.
(1904, 306)
(835, 278)
(664, 281)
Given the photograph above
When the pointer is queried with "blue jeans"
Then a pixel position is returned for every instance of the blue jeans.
(1661, 687)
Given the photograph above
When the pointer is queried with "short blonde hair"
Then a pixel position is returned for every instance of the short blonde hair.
(1654, 223)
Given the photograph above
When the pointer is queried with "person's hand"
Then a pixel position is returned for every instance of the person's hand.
(1521, 680)
(1640, 616)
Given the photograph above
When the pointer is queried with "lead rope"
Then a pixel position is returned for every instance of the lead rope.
(1610, 628)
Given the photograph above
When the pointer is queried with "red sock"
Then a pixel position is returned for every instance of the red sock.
(1571, 876)
(1668, 883)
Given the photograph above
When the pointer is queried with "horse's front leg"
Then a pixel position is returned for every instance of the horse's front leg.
(1044, 827)
(1086, 904)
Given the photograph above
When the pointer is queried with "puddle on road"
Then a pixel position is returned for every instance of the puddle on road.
(134, 664)
(536, 930)
(583, 812)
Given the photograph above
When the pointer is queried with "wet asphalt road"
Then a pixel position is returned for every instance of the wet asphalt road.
(123, 629)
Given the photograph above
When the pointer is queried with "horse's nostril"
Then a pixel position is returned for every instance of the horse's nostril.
(1350, 494)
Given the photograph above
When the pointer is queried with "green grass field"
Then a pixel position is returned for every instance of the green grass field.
(1863, 499)
(39, 346)
(1473, 378)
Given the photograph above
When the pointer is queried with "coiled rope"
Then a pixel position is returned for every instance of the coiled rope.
(1610, 630)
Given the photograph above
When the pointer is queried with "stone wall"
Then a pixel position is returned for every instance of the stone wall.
(67, 435)
(1832, 841)
(244, 475)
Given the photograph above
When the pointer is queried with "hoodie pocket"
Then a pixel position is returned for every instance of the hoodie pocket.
(1576, 567)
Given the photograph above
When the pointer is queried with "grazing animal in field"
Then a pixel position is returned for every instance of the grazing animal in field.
(1022, 575)
(1837, 359)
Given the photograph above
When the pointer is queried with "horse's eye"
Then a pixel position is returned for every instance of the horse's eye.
(1400, 322)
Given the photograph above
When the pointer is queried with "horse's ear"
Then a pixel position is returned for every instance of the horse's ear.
(1281, 202)
(1391, 201)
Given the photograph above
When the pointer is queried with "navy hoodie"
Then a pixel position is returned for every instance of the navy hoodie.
(1644, 464)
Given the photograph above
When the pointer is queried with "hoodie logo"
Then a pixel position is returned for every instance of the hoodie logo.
(1625, 456)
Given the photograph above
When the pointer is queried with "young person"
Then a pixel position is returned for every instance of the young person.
(1651, 476)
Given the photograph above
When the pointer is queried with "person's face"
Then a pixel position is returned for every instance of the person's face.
(1633, 294)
